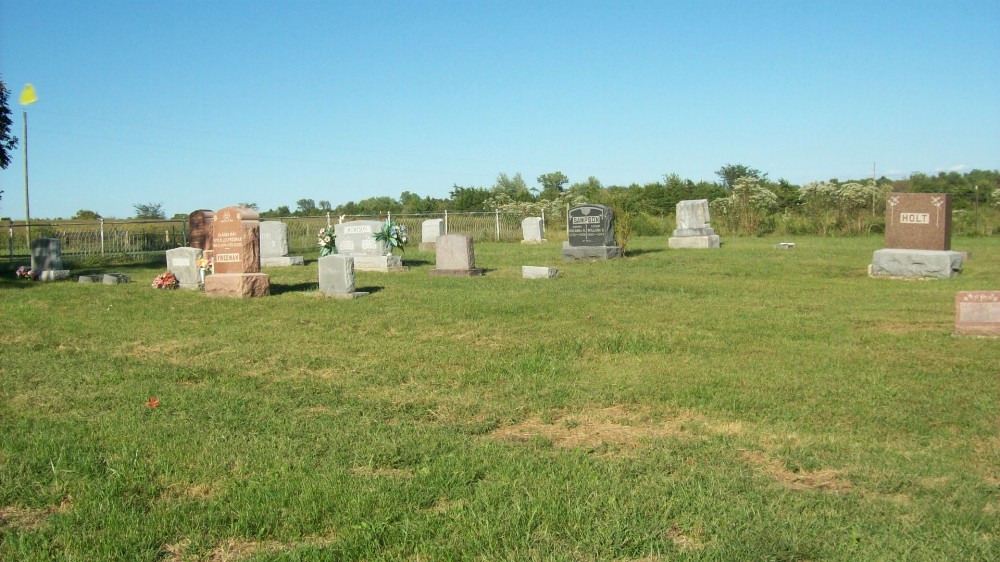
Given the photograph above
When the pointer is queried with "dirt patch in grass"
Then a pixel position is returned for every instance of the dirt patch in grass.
(905, 328)
(197, 491)
(826, 480)
(173, 351)
(682, 540)
(377, 472)
(233, 550)
(28, 519)
(615, 426)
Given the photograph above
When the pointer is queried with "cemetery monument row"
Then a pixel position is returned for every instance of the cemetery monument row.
(693, 226)
(917, 238)
(591, 230)
(236, 243)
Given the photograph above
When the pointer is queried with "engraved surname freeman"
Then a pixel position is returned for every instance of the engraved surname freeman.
(227, 258)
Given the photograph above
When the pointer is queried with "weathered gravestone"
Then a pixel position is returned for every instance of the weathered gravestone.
(693, 226)
(46, 259)
(591, 230)
(236, 243)
(336, 277)
(430, 231)
(183, 263)
(532, 230)
(357, 239)
(456, 257)
(274, 245)
(200, 229)
(917, 238)
(977, 313)
(538, 272)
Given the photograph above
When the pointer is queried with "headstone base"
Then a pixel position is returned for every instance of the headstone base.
(427, 246)
(893, 262)
(977, 313)
(240, 285)
(91, 278)
(542, 241)
(115, 278)
(456, 272)
(54, 275)
(590, 252)
(282, 261)
(538, 272)
(699, 242)
(346, 296)
(192, 286)
(382, 264)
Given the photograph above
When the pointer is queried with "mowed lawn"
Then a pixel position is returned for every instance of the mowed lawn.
(744, 403)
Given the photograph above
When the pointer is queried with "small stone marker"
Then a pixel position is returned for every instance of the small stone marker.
(336, 277)
(200, 229)
(236, 243)
(784, 246)
(917, 238)
(693, 226)
(183, 263)
(115, 278)
(456, 257)
(533, 230)
(274, 246)
(538, 272)
(46, 259)
(977, 313)
(357, 239)
(591, 230)
(430, 231)
(90, 279)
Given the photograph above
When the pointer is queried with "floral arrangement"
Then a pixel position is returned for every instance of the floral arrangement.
(166, 280)
(25, 273)
(204, 264)
(394, 235)
(327, 241)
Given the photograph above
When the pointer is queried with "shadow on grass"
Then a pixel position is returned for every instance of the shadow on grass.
(277, 289)
(634, 253)
(371, 290)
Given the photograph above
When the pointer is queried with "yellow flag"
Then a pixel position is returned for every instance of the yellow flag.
(28, 95)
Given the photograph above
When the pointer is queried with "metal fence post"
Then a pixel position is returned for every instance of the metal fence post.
(102, 236)
(328, 220)
(10, 257)
(497, 211)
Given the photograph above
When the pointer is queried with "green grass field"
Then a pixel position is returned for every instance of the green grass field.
(736, 404)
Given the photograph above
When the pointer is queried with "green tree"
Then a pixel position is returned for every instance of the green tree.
(305, 207)
(86, 215)
(8, 142)
(249, 206)
(468, 198)
(552, 184)
(515, 187)
(149, 211)
(588, 190)
(325, 206)
(730, 173)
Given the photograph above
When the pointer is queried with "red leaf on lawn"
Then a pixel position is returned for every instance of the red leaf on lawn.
(153, 402)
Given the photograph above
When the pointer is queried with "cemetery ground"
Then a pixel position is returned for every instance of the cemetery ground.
(743, 403)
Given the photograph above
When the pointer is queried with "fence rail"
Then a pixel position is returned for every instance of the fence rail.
(141, 237)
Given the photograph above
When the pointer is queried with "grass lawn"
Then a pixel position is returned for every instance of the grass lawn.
(744, 403)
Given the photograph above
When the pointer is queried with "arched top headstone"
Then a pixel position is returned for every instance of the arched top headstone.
(591, 225)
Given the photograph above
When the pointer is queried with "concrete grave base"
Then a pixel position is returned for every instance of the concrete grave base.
(427, 246)
(191, 286)
(54, 275)
(115, 278)
(891, 262)
(383, 264)
(282, 261)
(346, 296)
(456, 272)
(538, 272)
(240, 285)
(91, 278)
(590, 252)
(698, 242)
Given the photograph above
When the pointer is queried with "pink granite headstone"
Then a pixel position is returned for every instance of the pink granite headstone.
(977, 313)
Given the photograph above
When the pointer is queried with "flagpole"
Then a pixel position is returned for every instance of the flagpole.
(27, 206)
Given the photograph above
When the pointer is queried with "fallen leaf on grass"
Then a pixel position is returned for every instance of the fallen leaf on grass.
(152, 402)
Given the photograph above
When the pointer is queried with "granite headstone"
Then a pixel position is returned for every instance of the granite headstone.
(46, 259)
(917, 238)
(357, 239)
(694, 229)
(183, 263)
(977, 313)
(236, 242)
(591, 232)
(430, 231)
(532, 230)
(336, 277)
(274, 245)
(200, 229)
(456, 257)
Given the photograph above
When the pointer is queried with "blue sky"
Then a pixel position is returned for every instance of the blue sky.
(204, 104)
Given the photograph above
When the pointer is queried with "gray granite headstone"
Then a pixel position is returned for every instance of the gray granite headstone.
(533, 230)
(183, 263)
(693, 226)
(336, 277)
(357, 238)
(591, 230)
(274, 245)
(115, 278)
(456, 256)
(538, 272)
(46, 255)
(430, 231)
